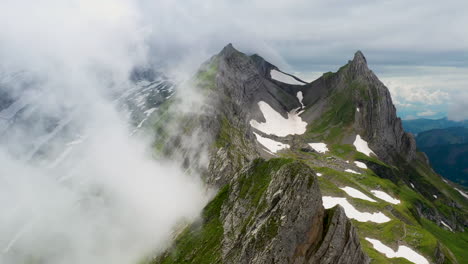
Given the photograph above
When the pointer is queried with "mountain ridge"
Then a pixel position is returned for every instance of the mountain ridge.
(246, 105)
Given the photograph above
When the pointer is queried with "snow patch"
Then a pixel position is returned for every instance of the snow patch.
(319, 147)
(384, 196)
(435, 196)
(361, 165)
(270, 144)
(300, 97)
(357, 109)
(402, 252)
(319, 174)
(351, 212)
(443, 223)
(462, 193)
(352, 171)
(150, 111)
(412, 185)
(276, 124)
(284, 78)
(362, 146)
(357, 194)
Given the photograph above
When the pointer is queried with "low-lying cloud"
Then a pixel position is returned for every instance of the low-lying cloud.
(101, 198)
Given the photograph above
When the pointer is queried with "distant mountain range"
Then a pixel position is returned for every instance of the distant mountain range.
(416, 126)
(447, 150)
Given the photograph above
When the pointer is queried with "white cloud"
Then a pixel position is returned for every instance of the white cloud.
(426, 113)
(109, 201)
(427, 89)
(458, 106)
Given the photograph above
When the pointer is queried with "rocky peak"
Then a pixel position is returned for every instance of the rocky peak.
(229, 51)
(358, 67)
(359, 58)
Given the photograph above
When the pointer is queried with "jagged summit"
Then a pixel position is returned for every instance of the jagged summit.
(359, 57)
(229, 50)
(358, 67)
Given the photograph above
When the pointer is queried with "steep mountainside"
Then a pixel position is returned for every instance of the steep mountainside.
(284, 152)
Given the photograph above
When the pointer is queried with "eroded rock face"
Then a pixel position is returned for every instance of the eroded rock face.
(284, 221)
(287, 223)
(271, 212)
(378, 121)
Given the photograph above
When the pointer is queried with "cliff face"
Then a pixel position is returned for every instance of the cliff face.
(271, 212)
(377, 120)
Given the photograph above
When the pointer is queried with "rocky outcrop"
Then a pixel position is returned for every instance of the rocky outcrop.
(272, 213)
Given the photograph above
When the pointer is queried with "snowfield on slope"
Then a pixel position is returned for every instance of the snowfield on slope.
(462, 193)
(362, 146)
(284, 78)
(357, 194)
(276, 124)
(402, 252)
(361, 165)
(352, 171)
(319, 147)
(300, 97)
(270, 144)
(353, 213)
(384, 196)
(447, 226)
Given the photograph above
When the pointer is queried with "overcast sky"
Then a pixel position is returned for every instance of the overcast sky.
(418, 48)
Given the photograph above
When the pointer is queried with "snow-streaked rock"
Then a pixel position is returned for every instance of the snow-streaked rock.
(384, 196)
(352, 171)
(462, 193)
(353, 213)
(449, 228)
(361, 165)
(319, 147)
(284, 78)
(357, 194)
(270, 144)
(300, 97)
(276, 124)
(402, 252)
(362, 146)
